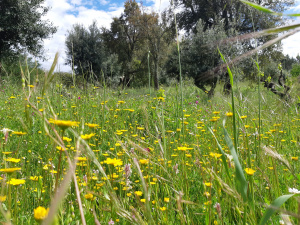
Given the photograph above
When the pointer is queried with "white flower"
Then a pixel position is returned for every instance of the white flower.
(5, 130)
(294, 191)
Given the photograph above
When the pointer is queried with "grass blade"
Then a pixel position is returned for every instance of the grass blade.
(240, 177)
(272, 208)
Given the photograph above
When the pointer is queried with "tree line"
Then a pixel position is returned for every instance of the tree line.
(142, 43)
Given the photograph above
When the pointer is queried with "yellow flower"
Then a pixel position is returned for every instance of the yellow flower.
(295, 158)
(144, 161)
(166, 199)
(162, 208)
(2, 198)
(64, 124)
(40, 213)
(229, 114)
(115, 162)
(19, 133)
(10, 170)
(89, 196)
(16, 182)
(91, 125)
(80, 159)
(87, 136)
(249, 171)
(243, 117)
(143, 200)
(215, 155)
(138, 193)
(207, 184)
(13, 160)
(35, 178)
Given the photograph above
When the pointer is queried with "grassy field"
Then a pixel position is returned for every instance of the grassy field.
(101, 156)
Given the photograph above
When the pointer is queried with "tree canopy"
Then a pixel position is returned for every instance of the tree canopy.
(22, 28)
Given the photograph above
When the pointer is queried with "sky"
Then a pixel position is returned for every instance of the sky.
(65, 13)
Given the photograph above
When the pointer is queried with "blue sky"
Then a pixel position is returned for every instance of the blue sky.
(65, 13)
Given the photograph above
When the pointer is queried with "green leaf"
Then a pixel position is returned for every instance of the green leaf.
(241, 184)
(223, 155)
(272, 208)
(258, 7)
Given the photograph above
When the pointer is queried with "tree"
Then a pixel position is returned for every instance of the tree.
(126, 38)
(22, 28)
(160, 32)
(200, 55)
(233, 13)
(85, 50)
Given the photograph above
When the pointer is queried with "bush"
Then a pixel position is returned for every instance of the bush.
(295, 70)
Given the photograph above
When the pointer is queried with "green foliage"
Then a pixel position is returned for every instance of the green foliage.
(11, 67)
(22, 28)
(235, 14)
(199, 53)
(85, 50)
(295, 71)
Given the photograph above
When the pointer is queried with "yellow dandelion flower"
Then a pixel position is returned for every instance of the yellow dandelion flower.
(19, 133)
(64, 124)
(249, 171)
(10, 170)
(115, 162)
(89, 196)
(138, 193)
(15, 182)
(229, 114)
(13, 160)
(144, 161)
(40, 213)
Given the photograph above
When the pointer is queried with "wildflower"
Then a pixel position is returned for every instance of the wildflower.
(249, 171)
(111, 222)
(35, 178)
(162, 208)
(215, 155)
(89, 196)
(12, 160)
(229, 114)
(40, 213)
(81, 159)
(64, 124)
(2, 198)
(138, 193)
(166, 199)
(144, 161)
(19, 133)
(295, 158)
(128, 194)
(243, 117)
(115, 162)
(294, 191)
(87, 136)
(207, 184)
(143, 200)
(10, 170)
(91, 125)
(16, 182)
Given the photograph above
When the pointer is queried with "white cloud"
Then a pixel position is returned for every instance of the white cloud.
(64, 14)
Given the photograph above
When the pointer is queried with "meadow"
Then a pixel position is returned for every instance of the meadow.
(125, 156)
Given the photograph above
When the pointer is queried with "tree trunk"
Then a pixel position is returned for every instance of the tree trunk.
(156, 85)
